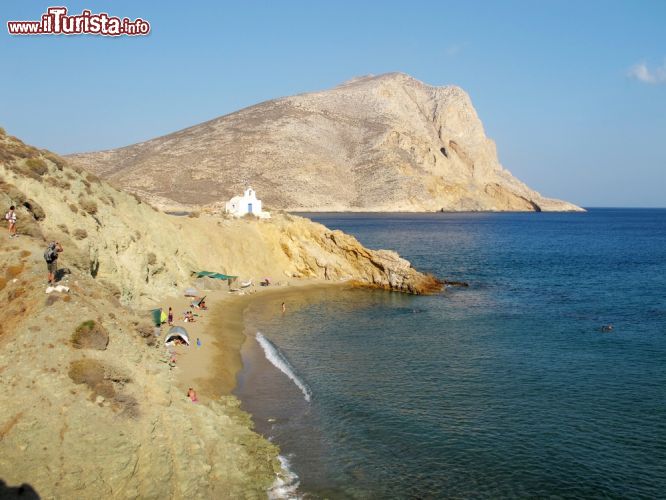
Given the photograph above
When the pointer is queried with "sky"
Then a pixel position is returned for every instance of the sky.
(573, 93)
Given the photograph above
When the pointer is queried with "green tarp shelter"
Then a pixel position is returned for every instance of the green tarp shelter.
(217, 276)
(159, 316)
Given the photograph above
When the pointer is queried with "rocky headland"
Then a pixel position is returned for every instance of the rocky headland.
(385, 143)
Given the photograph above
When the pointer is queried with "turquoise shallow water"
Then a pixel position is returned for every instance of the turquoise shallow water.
(505, 389)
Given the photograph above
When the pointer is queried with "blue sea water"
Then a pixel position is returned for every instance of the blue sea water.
(507, 388)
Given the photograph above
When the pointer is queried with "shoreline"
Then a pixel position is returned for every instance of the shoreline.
(212, 368)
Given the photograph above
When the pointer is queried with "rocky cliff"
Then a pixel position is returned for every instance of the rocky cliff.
(384, 143)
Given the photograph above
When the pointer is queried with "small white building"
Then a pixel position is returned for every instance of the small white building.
(239, 206)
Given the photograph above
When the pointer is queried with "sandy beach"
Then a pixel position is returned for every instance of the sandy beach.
(211, 368)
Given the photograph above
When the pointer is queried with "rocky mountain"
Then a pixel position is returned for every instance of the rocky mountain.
(377, 143)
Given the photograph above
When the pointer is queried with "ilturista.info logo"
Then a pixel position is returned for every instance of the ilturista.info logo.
(56, 21)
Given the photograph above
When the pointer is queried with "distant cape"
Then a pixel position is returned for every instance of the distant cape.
(376, 143)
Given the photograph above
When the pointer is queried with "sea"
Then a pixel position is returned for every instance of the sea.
(544, 378)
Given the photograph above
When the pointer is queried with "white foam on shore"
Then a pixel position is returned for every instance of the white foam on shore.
(286, 482)
(278, 360)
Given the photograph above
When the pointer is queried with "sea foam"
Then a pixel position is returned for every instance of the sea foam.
(286, 482)
(278, 359)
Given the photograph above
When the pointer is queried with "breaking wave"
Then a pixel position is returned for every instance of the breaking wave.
(278, 360)
(286, 482)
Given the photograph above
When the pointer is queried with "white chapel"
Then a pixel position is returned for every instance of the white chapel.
(239, 206)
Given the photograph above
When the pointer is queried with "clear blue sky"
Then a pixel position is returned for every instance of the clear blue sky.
(574, 93)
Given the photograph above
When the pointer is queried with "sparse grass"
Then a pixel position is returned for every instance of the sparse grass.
(88, 205)
(80, 234)
(73, 208)
(63, 228)
(152, 259)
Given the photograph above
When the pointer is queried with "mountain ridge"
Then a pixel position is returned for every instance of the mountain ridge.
(385, 143)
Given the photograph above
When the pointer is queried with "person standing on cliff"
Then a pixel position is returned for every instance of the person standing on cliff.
(10, 217)
(51, 258)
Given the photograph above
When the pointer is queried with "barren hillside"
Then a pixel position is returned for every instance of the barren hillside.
(384, 143)
(89, 407)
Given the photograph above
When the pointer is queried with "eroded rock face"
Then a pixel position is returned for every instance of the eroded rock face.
(138, 253)
(384, 143)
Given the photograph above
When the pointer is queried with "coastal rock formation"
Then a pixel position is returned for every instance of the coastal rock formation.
(82, 375)
(377, 143)
(142, 253)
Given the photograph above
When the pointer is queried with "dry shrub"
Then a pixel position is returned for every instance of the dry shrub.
(13, 148)
(80, 234)
(2, 132)
(73, 208)
(62, 184)
(152, 259)
(37, 165)
(15, 293)
(145, 329)
(35, 209)
(92, 178)
(127, 405)
(136, 197)
(88, 205)
(90, 335)
(13, 271)
(70, 175)
(104, 381)
(25, 253)
(3, 282)
(63, 228)
(52, 299)
(93, 374)
(58, 161)
(67, 298)
(193, 215)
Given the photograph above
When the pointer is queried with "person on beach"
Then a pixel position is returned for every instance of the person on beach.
(51, 258)
(192, 394)
(284, 308)
(170, 317)
(10, 217)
